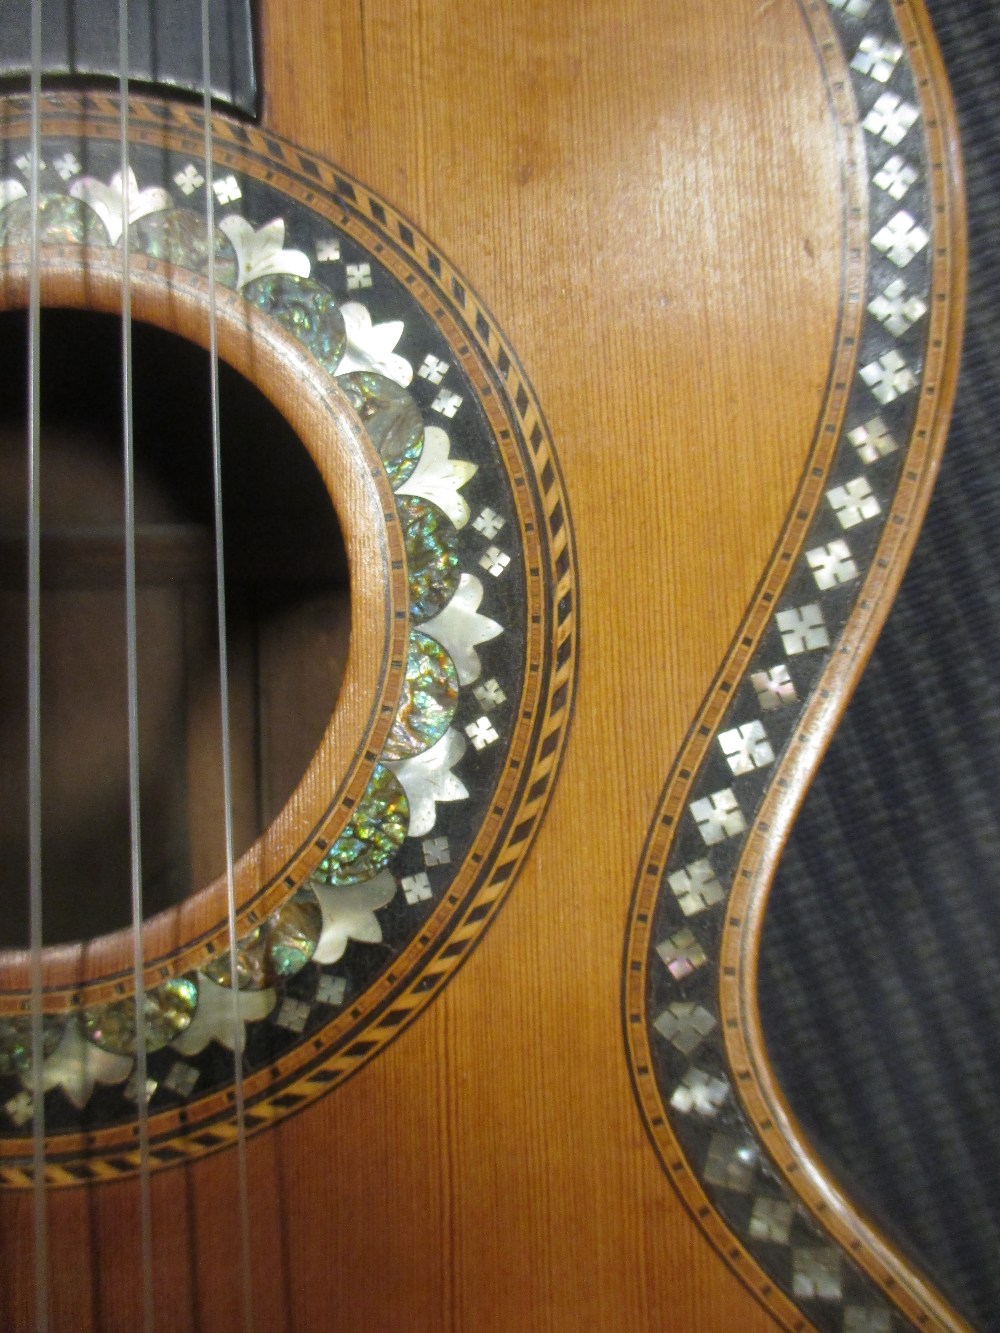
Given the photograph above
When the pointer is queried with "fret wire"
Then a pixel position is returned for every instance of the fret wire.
(35, 699)
(132, 688)
(246, 1284)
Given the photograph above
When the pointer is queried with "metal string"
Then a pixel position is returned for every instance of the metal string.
(246, 1282)
(132, 690)
(35, 699)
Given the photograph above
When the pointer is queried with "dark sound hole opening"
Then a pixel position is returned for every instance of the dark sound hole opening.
(287, 605)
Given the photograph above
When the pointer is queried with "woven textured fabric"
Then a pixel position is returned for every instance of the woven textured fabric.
(880, 965)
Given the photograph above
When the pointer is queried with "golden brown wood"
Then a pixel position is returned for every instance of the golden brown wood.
(640, 192)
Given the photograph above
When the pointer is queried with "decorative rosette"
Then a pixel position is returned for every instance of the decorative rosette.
(355, 881)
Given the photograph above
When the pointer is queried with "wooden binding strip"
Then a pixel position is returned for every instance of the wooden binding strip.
(871, 1258)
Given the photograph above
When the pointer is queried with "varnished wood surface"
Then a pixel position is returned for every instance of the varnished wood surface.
(634, 235)
(642, 194)
(620, 217)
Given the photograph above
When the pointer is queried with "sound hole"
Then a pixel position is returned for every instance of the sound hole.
(287, 607)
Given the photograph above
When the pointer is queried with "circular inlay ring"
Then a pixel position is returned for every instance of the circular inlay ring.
(189, 935)
(333, 966)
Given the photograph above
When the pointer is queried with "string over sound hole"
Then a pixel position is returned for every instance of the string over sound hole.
(287, 600)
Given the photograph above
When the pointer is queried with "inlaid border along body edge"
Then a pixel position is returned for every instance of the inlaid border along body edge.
(871, 1285)
(820, 1191)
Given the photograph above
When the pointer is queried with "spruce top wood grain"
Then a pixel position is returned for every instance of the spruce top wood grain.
(664, 208)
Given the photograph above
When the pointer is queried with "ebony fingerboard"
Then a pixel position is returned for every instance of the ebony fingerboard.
(80, 41)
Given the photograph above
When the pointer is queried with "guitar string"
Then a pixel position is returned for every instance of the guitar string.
(246, 1284)
(34, 710)
(132, 689)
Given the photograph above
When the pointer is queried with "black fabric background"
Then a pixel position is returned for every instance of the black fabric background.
(880, 967)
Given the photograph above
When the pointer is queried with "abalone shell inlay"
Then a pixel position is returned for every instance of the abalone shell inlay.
(694, 1047)
(395, 904)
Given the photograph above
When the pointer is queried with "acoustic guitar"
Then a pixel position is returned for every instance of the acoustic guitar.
(448, 495)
